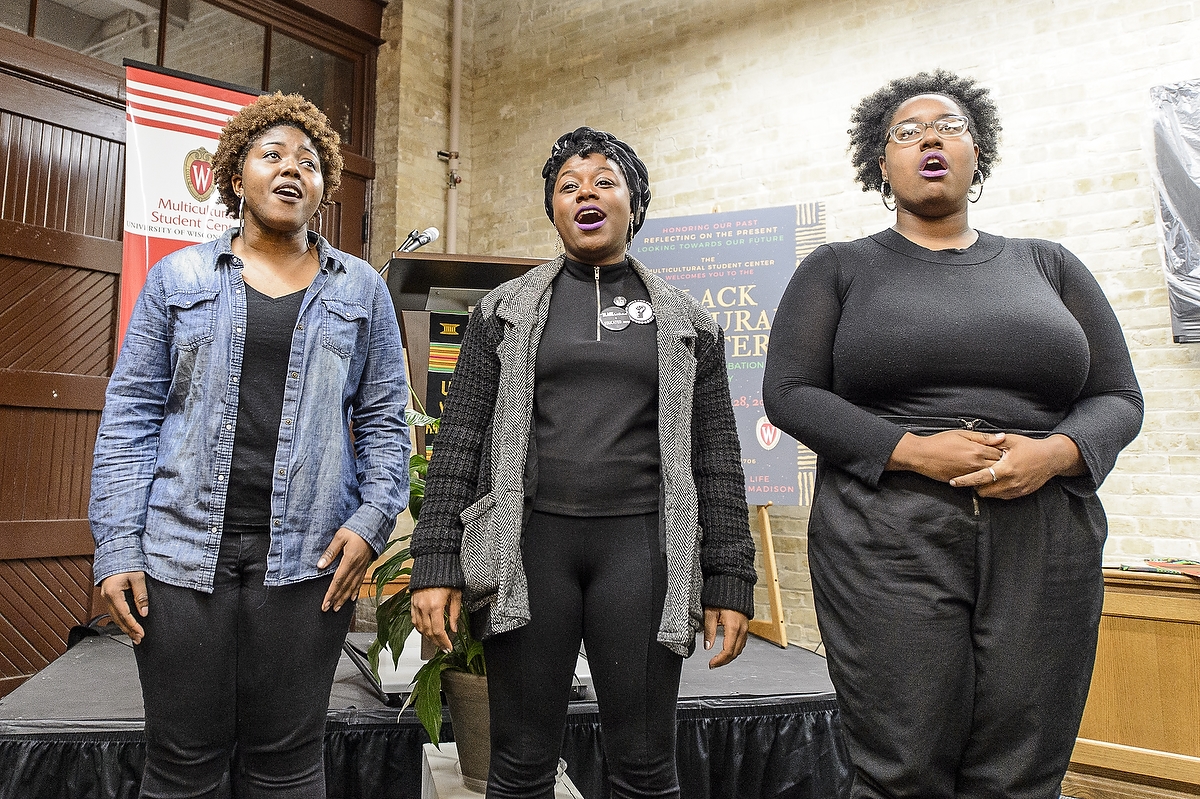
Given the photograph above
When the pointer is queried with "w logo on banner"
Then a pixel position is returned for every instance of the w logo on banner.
(767, 433)
(198, 174)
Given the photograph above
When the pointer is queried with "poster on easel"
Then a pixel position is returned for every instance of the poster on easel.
(738, 263)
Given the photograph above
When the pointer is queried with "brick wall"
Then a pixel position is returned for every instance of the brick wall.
(412, 124)
(736, 104)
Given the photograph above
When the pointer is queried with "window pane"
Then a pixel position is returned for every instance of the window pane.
(14, 15)
(205, 40)
(103, 29)
(325, 79)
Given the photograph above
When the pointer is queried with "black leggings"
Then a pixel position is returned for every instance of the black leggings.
(602, 580)
(244, 665)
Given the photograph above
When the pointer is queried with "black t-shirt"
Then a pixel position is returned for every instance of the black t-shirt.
(596, 396)
(270, 324)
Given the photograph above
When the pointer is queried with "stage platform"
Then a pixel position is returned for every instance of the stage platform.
(764, 726)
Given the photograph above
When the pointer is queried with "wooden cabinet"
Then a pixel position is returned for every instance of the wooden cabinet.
(1141, 725)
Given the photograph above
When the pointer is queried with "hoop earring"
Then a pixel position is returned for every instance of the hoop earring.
(320, 221)
(885, 191)
(242, 215)
(976, 180)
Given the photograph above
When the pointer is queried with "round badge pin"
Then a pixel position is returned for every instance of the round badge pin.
(640, 311)
(619, 301)
(614, 318)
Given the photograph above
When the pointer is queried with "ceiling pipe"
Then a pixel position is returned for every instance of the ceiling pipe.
(455, 100)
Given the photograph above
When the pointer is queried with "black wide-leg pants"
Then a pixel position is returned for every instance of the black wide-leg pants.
(602, 580)
(960, 632)
(236, 683)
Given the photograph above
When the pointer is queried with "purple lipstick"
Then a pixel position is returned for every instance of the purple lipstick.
(933, 165)
(589, 217)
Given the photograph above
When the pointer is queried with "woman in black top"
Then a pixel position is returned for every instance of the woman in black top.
(966, 395)
(587, 484)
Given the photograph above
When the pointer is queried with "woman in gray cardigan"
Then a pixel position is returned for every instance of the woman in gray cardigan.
(587, 486)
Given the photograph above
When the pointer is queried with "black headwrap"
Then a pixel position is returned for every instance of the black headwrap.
(586, 141)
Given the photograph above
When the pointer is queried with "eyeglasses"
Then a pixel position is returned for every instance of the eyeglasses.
(950, 126)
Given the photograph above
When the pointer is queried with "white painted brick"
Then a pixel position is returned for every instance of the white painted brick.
(739, 105)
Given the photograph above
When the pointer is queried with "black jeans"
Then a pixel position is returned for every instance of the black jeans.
(236, 683)
(602, 580)
(960, 632)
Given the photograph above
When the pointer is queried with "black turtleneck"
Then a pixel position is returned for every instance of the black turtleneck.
(596, 397)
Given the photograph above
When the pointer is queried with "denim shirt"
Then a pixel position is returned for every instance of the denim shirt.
(159, 479)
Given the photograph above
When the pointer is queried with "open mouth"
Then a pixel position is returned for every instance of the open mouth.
(933, 165)
(589, 217)
(290, 191)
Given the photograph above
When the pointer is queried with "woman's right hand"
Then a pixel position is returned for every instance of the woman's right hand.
(946, 455)
(429, 606)
(112, 592)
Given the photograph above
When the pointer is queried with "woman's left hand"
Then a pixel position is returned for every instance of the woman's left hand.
(1025, 466)
(356, 557)
(734, 627)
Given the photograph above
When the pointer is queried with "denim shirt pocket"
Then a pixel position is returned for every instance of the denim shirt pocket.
(193, 317)
(341, 325)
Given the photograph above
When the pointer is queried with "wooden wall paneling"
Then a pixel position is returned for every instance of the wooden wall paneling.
(54, 319)
(1140, 723)
(61, 218)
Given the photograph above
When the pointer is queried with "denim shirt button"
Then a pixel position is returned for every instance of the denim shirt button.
(212, 529)
(300, 326)
(282, 472)
(220, 477)
(278, 522)
(294, 375)
(234, 378)
(287, 422)
(238, 329)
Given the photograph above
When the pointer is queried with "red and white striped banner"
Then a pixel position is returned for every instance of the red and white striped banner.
(172, 124)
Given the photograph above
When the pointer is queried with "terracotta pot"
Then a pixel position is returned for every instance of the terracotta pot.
(467, 695)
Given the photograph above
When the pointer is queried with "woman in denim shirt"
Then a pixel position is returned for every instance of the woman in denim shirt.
(234, 514)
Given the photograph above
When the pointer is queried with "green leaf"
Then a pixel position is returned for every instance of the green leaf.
(398, 635)
(426, 696)
(390, 569)
(418, 419)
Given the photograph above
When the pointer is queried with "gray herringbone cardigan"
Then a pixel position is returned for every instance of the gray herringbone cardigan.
(469, 532)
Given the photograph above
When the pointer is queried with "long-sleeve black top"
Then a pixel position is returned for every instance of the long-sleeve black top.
(1013, 331)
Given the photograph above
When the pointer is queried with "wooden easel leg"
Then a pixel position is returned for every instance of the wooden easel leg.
(773, 630)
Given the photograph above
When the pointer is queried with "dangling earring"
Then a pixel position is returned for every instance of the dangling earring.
(629, 234)
(885, 191)
(976, 180)
(320, 221)
(242, 215)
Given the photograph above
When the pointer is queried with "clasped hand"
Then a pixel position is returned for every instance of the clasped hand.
(995, 465)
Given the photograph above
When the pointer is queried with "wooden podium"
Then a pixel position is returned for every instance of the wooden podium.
(421, 283)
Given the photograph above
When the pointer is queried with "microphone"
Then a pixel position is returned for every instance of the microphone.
(417, 240)
(411, 238)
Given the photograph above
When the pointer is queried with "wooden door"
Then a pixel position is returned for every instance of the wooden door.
(62, 172)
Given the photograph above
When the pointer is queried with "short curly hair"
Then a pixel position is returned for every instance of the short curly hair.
(871, 118)
(266, 112)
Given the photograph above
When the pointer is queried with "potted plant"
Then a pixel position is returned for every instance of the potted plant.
(460, 672)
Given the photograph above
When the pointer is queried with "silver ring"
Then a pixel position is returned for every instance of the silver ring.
(992, 472)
